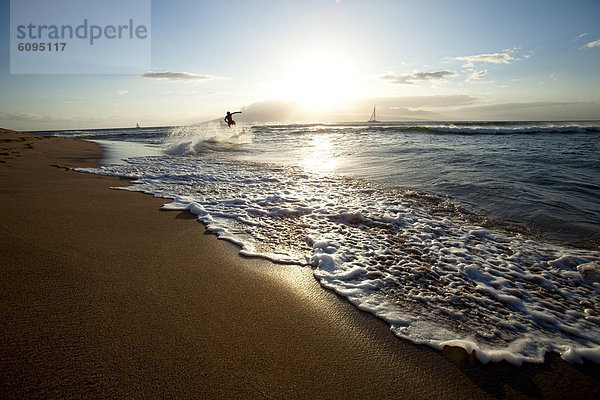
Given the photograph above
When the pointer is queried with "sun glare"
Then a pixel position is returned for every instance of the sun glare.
(319, 82)
(319, 157)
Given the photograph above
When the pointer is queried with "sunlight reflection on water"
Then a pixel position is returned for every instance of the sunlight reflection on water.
(319, 157)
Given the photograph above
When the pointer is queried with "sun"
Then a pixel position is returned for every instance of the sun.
(318, 82)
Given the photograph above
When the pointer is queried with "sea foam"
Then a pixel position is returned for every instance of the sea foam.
(207, 136)
(435, 277)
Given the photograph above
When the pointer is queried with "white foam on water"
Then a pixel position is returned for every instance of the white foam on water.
(436, 278)
(512, 128)
(215, 136)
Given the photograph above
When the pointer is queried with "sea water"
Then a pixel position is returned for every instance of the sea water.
(478, 235)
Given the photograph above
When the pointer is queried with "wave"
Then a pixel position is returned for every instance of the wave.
(436, 277)
(443, 128)
(209, 136)
(485, 129)
(150, 134)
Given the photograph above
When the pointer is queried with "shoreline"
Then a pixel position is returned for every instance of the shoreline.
(105, 296)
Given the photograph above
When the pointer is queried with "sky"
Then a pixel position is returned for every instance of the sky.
(332, 61)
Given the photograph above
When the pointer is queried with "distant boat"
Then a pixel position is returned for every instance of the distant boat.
(373, 116)
(137, 125)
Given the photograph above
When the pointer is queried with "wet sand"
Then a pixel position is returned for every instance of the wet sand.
(103, 295)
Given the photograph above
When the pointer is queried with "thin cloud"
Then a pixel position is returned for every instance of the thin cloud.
(477, 76)
(411, 107)
(270, 110)
(580, 36)
(529, 54)
(516, 106)
(418, 76)
(177, 76)
(389, 108)
(33, 117)
(123, 92)
(595, 43)
(534, 110)
(416, 102)
(494, 58)
(20, 116)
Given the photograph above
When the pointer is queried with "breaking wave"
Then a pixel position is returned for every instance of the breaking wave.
(205, 137)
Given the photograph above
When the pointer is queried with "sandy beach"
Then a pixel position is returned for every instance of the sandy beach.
(105, 296)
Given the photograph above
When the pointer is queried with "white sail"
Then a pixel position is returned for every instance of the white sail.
(373, 116)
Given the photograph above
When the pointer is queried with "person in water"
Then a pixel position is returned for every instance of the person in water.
(229, 118)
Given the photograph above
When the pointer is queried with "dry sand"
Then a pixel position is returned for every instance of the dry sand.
(103, 295)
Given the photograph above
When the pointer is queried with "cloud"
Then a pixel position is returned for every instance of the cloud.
(580, 36)
(410, 107)
(389, 108)
(529, 54)
(20, 116)
(494, 58)
(177, 76)
(595, 43)
(35, 118)
(477, 75)
(413, 102)
(523, 111)
(123, 91)
(272, 110)
(418, 76)
(516, 106)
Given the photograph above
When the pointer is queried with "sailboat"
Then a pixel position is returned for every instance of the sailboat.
(373, 116)
(137, 125)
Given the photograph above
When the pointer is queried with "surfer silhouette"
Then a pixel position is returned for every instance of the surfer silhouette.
(229, 119)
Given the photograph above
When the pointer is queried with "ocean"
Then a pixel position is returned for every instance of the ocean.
(482, 235)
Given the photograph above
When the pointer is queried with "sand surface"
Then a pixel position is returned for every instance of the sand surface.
(103, 295)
